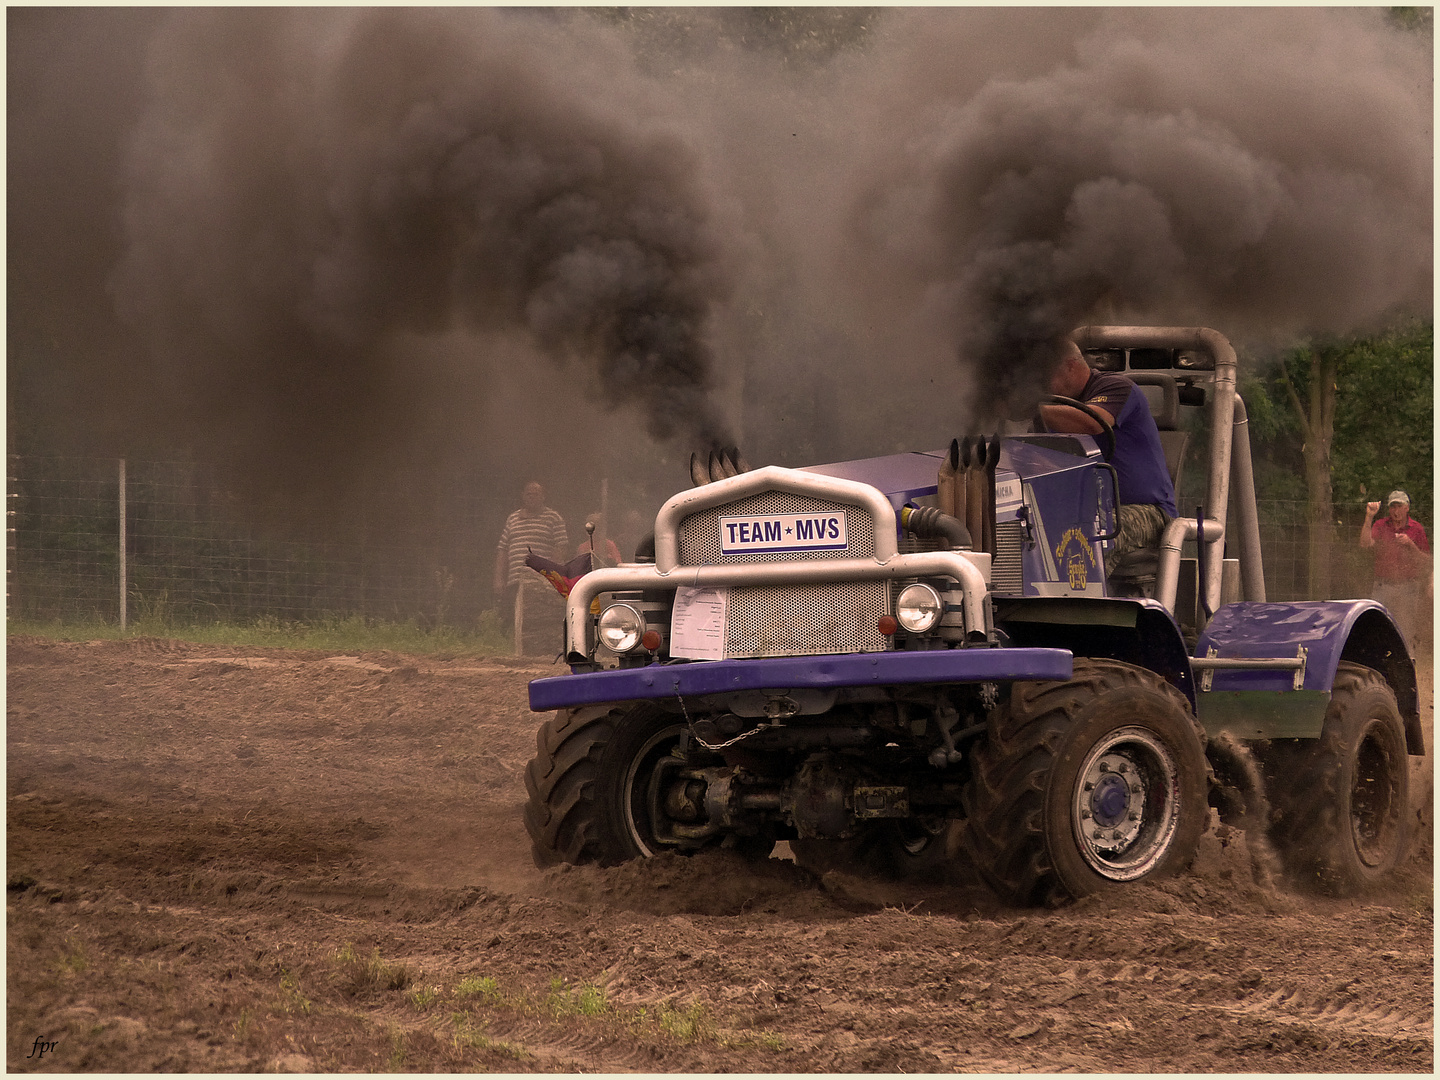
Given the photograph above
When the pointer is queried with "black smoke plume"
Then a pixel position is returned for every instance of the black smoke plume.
(341, 236)
(307, 191)
(1266, 171)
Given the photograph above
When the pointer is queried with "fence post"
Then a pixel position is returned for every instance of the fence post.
(12, 542)
(520, 619)
(124, 583)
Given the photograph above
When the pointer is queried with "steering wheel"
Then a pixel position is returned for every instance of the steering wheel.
(1107, 429)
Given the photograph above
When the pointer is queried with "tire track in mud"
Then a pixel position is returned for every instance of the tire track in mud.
(1292, 1006)
(263, 808)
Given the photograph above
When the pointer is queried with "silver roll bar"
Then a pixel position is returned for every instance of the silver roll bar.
(1252, 566)
(964, 567)
(771, 478)
(970, 569)
(1167, 575)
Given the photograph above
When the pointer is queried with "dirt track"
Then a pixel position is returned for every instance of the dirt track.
(195, 836)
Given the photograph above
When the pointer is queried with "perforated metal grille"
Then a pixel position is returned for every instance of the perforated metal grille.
(699, 534)
(1007, 568)
(807, 620)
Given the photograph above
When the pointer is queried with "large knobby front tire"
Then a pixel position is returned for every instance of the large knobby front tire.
(1086, 786)
(585, 805)
(1341, 802)
(589, 786)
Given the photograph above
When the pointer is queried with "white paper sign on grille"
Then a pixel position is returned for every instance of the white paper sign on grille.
(700, 623)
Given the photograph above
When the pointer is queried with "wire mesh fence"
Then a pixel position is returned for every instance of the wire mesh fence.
(196, 552)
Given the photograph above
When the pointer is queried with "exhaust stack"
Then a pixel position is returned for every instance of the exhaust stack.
(949, 496)
(719, 464)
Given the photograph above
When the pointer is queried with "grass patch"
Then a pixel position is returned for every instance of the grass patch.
(692, 1024)
(590, 1000)
(73, 960)
(291, 1001)
(351, 633)
(765, 1040)
(485, 988)
(468, 1034)
(358, 974)
(397, 1048)
(585, 1000)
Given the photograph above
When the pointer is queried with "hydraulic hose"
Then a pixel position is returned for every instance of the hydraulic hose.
(930, 523)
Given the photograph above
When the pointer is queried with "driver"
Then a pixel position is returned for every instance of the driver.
(1147, 497)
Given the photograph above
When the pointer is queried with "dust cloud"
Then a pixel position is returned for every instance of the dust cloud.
(327, 242)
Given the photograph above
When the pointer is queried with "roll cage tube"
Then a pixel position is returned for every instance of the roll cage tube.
(1222, 426)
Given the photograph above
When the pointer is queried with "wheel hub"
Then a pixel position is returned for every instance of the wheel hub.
(1125, 804)
(1116, 802)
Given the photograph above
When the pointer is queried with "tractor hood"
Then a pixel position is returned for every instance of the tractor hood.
(908, 477)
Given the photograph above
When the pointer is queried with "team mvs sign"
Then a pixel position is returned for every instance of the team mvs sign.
(783, 532)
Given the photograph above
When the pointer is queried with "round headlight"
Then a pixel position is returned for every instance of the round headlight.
(918, 608)
(620, 628)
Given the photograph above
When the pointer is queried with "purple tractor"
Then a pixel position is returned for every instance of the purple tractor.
(902, 661)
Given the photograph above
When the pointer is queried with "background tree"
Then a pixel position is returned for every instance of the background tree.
(1354, 418)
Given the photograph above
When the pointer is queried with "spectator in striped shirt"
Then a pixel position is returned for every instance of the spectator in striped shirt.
(534, 527)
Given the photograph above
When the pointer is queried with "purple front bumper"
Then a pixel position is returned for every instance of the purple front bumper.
(699, 678)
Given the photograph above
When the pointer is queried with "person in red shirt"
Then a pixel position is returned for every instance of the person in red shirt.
(1402, 561)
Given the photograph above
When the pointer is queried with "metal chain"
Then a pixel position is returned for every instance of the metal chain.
(696, 735)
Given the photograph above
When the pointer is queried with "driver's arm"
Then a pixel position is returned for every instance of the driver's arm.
(1066, 418)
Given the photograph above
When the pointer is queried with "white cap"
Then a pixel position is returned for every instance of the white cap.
(1398, 496)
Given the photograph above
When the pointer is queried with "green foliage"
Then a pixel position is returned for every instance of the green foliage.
(800, 37)
(1384, 419)
(1384, 426)
(1419, 20)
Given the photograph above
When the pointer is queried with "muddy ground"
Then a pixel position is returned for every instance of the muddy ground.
(266, 860)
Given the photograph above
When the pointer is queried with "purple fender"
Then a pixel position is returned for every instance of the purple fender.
(1360, 631)
(699, 678)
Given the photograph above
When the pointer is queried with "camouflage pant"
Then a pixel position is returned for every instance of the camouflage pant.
(1141, 525)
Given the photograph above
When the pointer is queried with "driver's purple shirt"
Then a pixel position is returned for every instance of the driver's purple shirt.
(1139, 459)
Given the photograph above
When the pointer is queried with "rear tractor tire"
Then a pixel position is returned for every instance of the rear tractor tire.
(1086, 786)
(589, 787)
(1341, 802)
